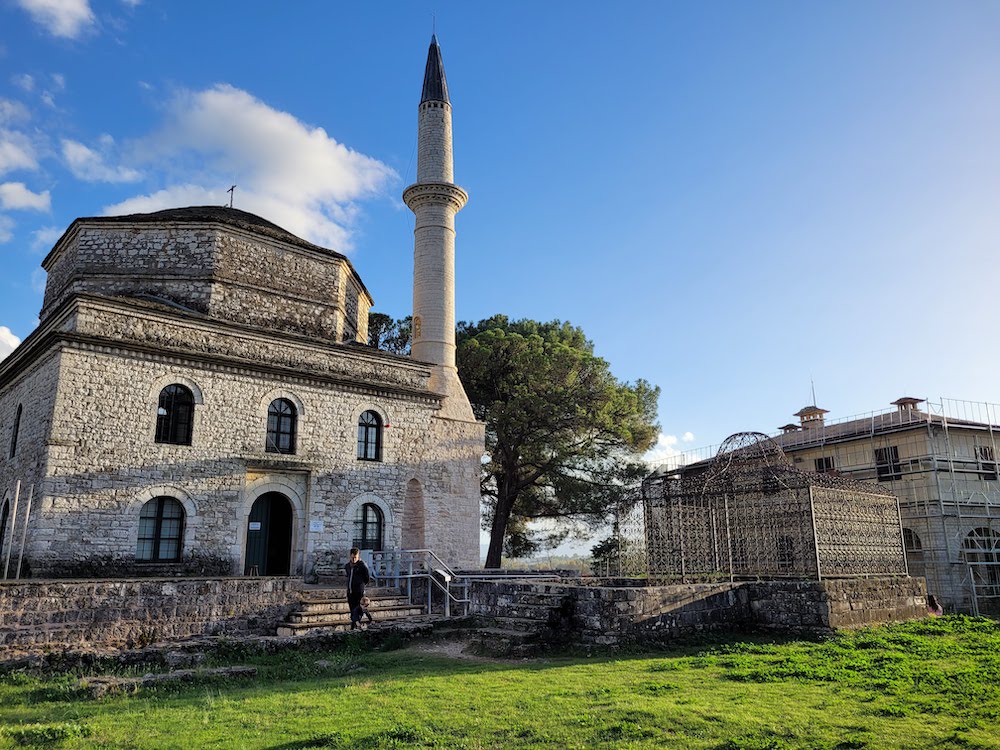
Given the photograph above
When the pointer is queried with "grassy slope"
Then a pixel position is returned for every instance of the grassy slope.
(924, 684)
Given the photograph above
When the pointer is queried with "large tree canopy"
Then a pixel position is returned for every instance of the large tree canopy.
(563, 435)
(388, 334)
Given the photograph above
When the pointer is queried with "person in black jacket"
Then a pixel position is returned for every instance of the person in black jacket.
(357, 578)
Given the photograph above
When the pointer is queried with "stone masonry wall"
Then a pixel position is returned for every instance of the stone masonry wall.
(104, 463)
(34, 391)
(138, 612)
(837, 603)
(612, 616)
(217, 270)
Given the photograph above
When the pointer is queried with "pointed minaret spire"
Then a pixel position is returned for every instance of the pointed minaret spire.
(435, 84)
(435, 199)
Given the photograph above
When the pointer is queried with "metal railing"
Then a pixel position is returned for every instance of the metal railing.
(403, 568)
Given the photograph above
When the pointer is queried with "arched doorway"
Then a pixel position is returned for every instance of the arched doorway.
(269, 536)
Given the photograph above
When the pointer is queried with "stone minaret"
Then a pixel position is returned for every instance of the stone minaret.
(435, 199)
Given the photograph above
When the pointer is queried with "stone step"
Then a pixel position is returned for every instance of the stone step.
(326, 606)
(289, 628)
(378, 614)
(538, 612)
(519, 624)
(339, 593)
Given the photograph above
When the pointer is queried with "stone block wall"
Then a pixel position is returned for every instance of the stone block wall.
(101, 462)
(33, 390)
(138, 612)
(836, 603)
(610, 616)
(219, 270)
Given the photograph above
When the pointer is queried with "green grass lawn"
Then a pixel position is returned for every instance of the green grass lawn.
(932, 683)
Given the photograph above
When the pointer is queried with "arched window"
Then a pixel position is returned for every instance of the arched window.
(369, 437)
(368, 527)
(161, 530)
(981, 550)
(281, 426)
(13, 433)
(174, 415)
(4, 513)
(911, 542)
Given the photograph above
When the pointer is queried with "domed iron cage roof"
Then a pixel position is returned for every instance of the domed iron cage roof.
(749, 513)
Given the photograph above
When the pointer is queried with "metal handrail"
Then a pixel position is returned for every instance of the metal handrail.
(408, 565)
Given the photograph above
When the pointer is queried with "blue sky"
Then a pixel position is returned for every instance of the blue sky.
(730, 198)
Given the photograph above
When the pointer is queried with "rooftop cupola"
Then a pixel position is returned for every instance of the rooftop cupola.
(907, 404)
(811, 416)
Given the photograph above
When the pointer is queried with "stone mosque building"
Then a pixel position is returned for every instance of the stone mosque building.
(199, 392)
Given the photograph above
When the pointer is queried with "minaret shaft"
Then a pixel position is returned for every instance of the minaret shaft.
(435, 199)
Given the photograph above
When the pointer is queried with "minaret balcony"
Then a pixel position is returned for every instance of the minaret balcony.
(436, 193)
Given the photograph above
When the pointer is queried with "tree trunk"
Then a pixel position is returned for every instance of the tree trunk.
(505, 504)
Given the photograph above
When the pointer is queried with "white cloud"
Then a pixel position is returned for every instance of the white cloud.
(16, 151)
(15, 195)
(59, 81)
(48, 99)
(45, 238)
(90, 166)
(8, 341)
(132, 3)
(666, 451)
(6, 229)
(65, 18)
(23, 81)
(12, 112)
(288, 172)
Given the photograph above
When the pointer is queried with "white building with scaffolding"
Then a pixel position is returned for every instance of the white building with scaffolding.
(939, 460)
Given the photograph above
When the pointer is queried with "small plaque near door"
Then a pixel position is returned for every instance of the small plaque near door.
(255, 526)
(316, 524)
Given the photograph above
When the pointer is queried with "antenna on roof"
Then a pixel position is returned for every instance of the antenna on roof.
(813, 386)
(232, 192)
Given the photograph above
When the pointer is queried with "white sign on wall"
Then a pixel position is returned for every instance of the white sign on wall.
(316, 524)
(255, 526)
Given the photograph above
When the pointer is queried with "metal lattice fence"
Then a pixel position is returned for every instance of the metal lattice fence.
(749, 513)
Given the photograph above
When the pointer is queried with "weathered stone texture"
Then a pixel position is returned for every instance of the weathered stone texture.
(221, 271)
(137, 612)
(104, 463)
(610, 616)
(88, 432)
(33, 389)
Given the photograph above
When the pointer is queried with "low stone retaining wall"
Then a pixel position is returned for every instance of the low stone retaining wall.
(135, 612)
(836, 603)
(604, 615)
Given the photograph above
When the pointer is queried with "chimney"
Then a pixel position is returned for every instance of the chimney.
(811, 416)
(907, 404)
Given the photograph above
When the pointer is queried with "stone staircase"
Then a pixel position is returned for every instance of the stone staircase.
(537, 615)
(324, 610)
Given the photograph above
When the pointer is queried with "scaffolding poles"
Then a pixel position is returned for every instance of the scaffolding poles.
(12, 536)
(24, 532)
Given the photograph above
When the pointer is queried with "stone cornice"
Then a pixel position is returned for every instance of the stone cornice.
(52, 333)
(236, 366)
(423, 193)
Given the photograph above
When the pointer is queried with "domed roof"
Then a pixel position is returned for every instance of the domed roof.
(233, 217)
